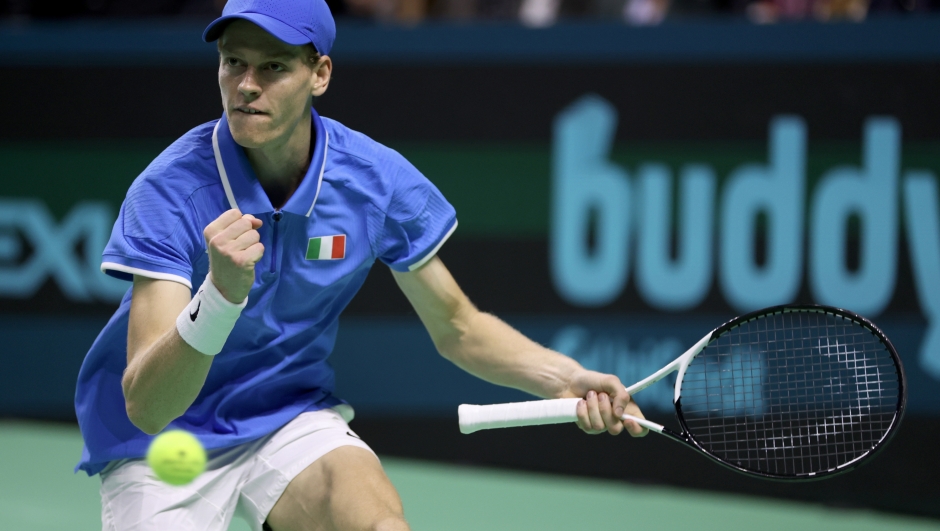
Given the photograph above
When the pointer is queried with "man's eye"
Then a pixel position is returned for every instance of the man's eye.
(276, 67)
(232, 61)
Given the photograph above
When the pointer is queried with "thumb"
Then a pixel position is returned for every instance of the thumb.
(619, 398)
(255, 222)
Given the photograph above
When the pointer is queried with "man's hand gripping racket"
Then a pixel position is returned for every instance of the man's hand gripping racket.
(789, 392)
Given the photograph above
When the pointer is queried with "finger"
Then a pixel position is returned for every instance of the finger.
(231, 233)
(611, 385)
(632, 427)
(255, 222)
(227, 218)
(594, 414)
(246, 240)
(619, 397)
(253, 254)
(620, 401)
(583, 421)
(613, 424)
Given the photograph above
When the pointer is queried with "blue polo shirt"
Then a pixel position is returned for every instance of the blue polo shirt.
(359, 202)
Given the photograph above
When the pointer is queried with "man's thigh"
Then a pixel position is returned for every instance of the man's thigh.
(345, 490)
(133, 499)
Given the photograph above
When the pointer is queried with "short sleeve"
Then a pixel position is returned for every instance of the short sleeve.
(153, 237)
(417, 223)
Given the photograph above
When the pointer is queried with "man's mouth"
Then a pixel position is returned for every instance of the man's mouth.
(248, 110)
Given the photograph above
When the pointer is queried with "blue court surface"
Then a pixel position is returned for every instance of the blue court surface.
(38, 492)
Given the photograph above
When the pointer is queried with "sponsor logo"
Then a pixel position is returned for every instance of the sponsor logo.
(68, 251)
(631, 213)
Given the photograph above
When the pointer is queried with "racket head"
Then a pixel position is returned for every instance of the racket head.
(792, 392)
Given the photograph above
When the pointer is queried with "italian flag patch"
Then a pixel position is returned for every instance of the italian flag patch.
(327, 248)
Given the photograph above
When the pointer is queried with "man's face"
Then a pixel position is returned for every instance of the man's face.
(266, 84)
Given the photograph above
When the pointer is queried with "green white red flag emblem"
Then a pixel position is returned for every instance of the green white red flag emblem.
(327, 248)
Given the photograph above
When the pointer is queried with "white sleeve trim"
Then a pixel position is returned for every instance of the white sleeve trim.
(433, 251)
(106, 266)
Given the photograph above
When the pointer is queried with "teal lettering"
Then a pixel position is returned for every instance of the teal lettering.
(53, 244)
(871, 193)
(922, 224)
(682, 283)
(584, 181)
(778, 191)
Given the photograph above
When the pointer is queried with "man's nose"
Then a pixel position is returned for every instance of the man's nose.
(248, 85)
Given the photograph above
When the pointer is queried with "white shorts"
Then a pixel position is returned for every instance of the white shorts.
(244, 481)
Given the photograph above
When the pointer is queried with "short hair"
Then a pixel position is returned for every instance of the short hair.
(310, 51)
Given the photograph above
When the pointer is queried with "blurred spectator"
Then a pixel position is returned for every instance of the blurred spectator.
(403, 11)
(770, 11)
(533, 13)
(645, 12)
(539, 13)
(54, 9)
(826, 10)
(904, 6)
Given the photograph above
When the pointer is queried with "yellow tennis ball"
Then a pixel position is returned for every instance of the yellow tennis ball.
(176, 457)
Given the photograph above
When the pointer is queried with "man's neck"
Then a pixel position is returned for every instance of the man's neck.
(281, 167)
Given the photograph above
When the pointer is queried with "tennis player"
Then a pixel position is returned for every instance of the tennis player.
(245, 240)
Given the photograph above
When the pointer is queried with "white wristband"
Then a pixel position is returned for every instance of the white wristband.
(208, 320)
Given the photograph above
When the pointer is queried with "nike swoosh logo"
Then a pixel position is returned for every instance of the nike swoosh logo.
(192, 316)
(351, 434)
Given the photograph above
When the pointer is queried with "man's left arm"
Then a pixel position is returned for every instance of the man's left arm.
(490, 349)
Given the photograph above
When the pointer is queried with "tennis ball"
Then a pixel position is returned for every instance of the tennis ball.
(176, 457)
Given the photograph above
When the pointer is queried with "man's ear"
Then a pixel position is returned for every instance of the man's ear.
(322, 71)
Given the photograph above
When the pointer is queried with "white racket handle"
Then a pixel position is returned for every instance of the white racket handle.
(535, 413)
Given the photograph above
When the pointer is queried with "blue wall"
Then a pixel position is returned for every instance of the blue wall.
(179, 43)
(386, 364)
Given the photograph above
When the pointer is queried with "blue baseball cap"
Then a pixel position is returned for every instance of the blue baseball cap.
(295, 22)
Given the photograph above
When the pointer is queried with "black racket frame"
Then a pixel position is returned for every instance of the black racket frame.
(686, 437)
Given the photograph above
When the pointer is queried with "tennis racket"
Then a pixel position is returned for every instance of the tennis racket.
(788, 392)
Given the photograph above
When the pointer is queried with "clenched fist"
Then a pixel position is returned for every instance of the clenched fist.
(234, 248)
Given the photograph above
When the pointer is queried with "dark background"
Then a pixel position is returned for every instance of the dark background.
(473, 108)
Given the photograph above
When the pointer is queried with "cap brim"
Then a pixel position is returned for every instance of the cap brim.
(275, 27)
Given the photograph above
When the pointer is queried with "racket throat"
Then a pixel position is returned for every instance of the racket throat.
(679, 364)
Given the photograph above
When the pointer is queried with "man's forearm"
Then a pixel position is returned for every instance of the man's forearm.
(163, 381)
(494, 351)
(490, 349)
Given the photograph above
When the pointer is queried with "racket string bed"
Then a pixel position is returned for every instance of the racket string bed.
(791, 393)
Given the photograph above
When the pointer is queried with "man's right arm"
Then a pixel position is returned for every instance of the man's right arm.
(165, 373)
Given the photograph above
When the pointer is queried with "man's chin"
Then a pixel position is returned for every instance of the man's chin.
(250, 131)
(248, 139)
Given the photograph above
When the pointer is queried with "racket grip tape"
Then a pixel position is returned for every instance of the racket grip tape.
(535, 413)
